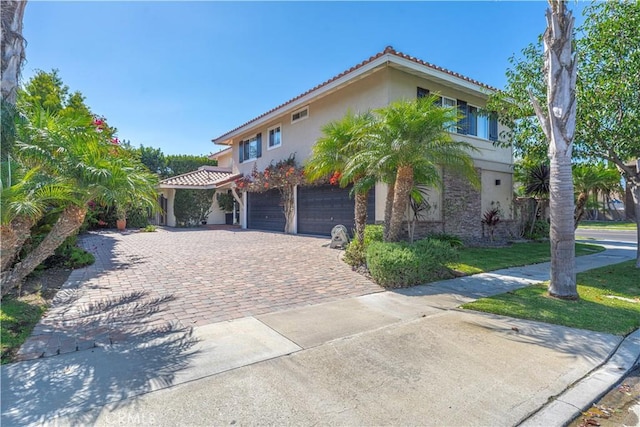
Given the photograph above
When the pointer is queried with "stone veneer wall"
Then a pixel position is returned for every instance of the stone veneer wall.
(462, 207)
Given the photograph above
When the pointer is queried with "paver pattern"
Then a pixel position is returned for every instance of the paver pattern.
(174, 279)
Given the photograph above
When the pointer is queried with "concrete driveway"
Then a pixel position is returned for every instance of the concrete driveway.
(187, 278)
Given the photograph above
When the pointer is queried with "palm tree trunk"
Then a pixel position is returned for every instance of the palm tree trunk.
(12, 47)
(68, 223)
(361, 214)
(579, 212)
(403, 186)
(634, 185)
(13, 237)
(558, 122)
(388, 208)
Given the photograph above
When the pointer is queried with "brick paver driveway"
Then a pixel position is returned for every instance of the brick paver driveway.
(188, 278)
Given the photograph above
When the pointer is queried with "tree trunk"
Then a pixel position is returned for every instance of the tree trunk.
(558, 123)
(12, 47)
(634, 184)
(403, 186)
(288, 207)
(361, 214)
(388, 208)
(579, 211)
(68, 223)
(13, 237)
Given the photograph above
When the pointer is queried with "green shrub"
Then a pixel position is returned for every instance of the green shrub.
(540, 230)
(373, 233)
(399, 265)
(149, 228)
(453, 241)
(137, 218)
(79, 258)
(355, 253)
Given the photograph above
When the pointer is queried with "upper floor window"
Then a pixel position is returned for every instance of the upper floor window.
(449, 102)
(275, 136)
(250, 149)
(301, 114)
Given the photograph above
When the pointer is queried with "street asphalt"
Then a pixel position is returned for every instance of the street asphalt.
(407, 357)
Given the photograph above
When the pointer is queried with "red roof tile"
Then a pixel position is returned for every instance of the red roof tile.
(205, 176)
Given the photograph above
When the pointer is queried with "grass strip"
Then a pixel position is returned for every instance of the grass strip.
(480, 260)
(609, 302)
(17, 319)
(607, 225)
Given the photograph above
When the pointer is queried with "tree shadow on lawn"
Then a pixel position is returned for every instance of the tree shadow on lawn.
(147, 355)
(594, 347)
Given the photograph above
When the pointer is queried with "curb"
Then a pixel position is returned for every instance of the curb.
(565, 407)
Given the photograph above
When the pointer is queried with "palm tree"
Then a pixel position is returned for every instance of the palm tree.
(12, 47)
(410, 148)
(558, 122)
(536, 184)
(341, 139)
(68, 150)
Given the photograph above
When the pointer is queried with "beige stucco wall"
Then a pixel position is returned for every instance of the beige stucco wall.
(367, 93)
(170, 194)
(497, 195)
(370, 92)
(225, 160)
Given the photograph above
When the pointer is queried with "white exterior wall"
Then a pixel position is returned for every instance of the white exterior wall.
(170, 194)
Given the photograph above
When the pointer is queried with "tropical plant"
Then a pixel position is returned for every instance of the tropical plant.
(340, 140)
(68, 150)
(536, 184)
(491, 218)
(411, 146)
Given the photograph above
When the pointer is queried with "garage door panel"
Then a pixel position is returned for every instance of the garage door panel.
(323, 207)
(265, 211)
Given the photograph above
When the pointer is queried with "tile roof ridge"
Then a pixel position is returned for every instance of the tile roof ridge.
(388, 50)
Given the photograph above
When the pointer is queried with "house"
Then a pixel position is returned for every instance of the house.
(293, 128)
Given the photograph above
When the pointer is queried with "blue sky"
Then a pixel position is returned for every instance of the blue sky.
(174, 75)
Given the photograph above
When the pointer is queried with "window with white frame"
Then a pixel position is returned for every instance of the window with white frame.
(275, 136)
(301, 114)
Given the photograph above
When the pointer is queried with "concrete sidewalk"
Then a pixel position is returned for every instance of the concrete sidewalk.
(392, 358)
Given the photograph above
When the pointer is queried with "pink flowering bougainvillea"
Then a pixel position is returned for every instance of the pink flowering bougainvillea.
(283, 176)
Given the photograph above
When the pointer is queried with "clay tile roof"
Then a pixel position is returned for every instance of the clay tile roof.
(388, 50)
(205, 176)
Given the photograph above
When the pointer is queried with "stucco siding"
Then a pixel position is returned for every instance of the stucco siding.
(298, 138)
(496, 195)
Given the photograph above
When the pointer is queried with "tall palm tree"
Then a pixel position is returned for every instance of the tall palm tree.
(340, 140)
(410, 148)
(12, 47)
(70, 152)
(558, 122)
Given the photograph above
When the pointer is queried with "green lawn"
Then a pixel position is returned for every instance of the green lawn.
(17, 319)
(609, 302)
(479, 260)
(608, 225)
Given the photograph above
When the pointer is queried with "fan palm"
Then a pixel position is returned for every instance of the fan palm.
(341, 139)
(72, 154)
(411, 147)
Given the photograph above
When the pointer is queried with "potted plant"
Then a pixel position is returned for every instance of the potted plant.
(225, 203)
(121, 217)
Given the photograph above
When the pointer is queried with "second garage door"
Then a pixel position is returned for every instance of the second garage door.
(321, 208)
